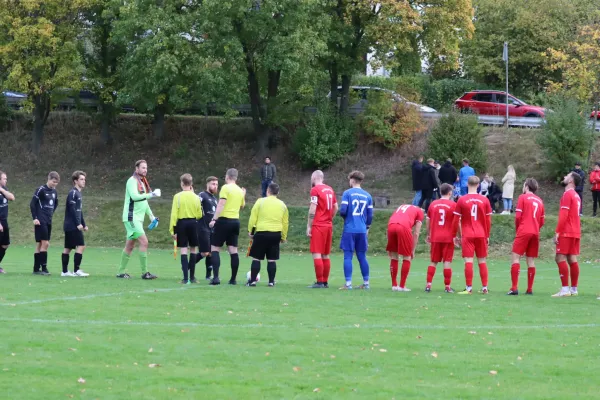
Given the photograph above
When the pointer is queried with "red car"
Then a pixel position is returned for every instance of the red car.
(492, 102)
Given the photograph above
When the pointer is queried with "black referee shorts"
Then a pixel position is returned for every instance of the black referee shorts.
(226, 230)
(265, 244)
(187, 232)
(74, 239)
(42, 232)
(5, 234)
(203, 240)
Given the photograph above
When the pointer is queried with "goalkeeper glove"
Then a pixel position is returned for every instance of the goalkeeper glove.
(156, 193)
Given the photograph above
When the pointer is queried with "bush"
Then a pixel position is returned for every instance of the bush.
(325, 138)
(442, 93)
(458, 136)
(408, 86)
(388, 123)
(565, 138)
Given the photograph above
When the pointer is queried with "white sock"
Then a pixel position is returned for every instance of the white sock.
(366, 282)
(469, 287)
(565, 288)
(348, 283)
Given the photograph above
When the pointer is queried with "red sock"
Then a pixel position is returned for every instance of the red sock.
(514, 275)
(447, 276)
(404, 272)
(483, 273)
(326, 269)
(319, 269)
(563, 271)
(574, 274)
(430, 274)
(530, 278)
(394, 272)
(469, 273)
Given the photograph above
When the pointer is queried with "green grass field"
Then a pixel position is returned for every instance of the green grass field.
(135, 339)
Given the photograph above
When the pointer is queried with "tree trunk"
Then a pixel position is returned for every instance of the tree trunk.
(345, 93)
(39, 119)
(333, 83)
(254, 94)
(158, 124)
(106, 110)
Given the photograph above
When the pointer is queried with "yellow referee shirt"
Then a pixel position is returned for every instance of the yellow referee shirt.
(235, 200)
(186, 204)
(269, 214)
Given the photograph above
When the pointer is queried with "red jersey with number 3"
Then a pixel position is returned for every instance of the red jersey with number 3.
(475, 213)
(407, 215)
(569, 222)
(529, 214)
(324, 197)
(441, 220)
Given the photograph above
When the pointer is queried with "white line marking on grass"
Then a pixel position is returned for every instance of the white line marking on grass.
(307, 326)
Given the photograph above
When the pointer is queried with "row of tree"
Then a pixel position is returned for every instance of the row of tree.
(165, 55)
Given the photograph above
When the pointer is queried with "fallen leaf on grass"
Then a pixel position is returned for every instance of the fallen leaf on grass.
(519, 358)
(150, 350)
(267, 354)
(419, 337)
(153, 365)
(316, 390)
(285, 304)
(13, 354)
(229, 312)
(493, 372)
(185, 330)
(434, 354)
(383, 350)
(472, 332)
(332, 356)
(81, 380)
(357, 325)
(490, 333)
(76, 338)
(296, 369)
(72, 349)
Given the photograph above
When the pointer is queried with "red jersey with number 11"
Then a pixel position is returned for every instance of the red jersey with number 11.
(324, 197)
(441, 221)
(475, 214)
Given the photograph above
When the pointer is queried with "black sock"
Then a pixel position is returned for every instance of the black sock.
(272, 270)
(78, 258)
(216, 263)
(192, 264)
(208, 263)
(36, 262)
(235, 265)
(65, 262)
(2, 253)
(254, 270)
(198, 257)
(184, 266)
(44, 260)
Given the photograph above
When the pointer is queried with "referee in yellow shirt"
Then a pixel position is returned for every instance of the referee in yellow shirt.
(268, 226)
(226, 223)
(185, 213)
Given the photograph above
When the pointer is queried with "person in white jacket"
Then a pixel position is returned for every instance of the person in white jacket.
(508, 189)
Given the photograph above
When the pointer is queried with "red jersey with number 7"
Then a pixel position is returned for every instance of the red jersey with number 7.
(475, 214)
(441, 221)
(569, 222)
(407, 216)
(324, 198)
(529, 214)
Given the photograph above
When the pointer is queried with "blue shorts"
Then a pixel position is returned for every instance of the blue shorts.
(354, 242)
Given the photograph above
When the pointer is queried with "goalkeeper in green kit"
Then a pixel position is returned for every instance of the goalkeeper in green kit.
(135, 209)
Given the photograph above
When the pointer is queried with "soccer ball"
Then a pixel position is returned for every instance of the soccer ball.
(249, 274)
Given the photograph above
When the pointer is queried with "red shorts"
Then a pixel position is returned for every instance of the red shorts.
(527, 245)
(321, 239)
(400, 240)
(568, 246)
(472, 247)
(442, 252)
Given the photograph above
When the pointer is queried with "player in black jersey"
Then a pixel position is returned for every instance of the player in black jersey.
(5, 197)
(43, 204)
(74, 226)
(209, 206)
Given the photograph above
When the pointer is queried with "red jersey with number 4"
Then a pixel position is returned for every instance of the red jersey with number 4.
(475, 214)
(406, 215)
(324, 197)
(441, 221)
(569, 222)
(529, 214)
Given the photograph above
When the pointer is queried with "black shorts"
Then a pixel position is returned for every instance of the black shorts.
(187, 232)
(203, 240)
(42, 232)
(5, 234)
(74, 239)
(226, 230)
(265, 244)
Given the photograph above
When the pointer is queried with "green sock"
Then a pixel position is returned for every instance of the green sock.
(124, 261)
(144, 262)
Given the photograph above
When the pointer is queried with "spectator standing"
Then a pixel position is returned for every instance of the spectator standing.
(465, 172)
(484, 186)
(448, 173)
(508, 189)
(579, 188)
(494, 194)
(595, 182)
(437, 166)
(268, 172)
(429, 185)
(417, 177)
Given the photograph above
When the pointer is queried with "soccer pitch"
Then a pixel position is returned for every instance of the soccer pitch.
(158, 339)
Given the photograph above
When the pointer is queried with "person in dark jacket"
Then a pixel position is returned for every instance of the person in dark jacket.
(448, 173)
(579, 188)
(417, 177)
(429, 185)
(268, 173)
(494, 194)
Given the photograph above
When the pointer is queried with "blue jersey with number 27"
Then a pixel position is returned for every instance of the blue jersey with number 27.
(357, 210)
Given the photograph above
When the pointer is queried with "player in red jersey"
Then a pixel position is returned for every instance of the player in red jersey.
(403, 232)
(474, 214)
(323, 206)
(440, 223)
(529, 219)
(568, 234)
